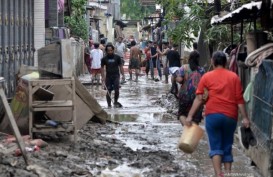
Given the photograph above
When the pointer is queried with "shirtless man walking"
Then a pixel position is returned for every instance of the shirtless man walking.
(135, 59)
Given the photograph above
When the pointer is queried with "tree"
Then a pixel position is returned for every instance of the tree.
(134, 11)
(190, 16)
(76, 22)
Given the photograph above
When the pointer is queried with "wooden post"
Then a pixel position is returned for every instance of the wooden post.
(13, 124)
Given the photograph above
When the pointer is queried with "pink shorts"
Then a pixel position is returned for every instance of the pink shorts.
(95, 71)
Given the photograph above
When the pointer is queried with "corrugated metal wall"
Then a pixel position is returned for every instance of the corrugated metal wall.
(262, 110)
(16, 39)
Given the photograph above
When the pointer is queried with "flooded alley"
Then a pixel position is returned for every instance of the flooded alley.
(56, 55)
(147, 124)
(139, 140)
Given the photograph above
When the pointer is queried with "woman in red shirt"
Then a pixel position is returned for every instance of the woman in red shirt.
(224, 99)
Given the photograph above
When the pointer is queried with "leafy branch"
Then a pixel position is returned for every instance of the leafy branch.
(76, 22)
(189, 17)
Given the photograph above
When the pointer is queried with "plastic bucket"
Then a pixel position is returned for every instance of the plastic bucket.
(190, 138)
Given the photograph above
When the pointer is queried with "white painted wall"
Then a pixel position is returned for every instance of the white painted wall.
(39, 27)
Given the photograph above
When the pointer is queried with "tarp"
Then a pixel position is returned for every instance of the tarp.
(243, 12)
(256, 57)
(263, 98)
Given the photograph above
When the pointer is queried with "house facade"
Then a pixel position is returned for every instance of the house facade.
(22, 32)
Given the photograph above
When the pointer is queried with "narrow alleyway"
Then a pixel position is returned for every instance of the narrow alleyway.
(141, 141)
(148, 125)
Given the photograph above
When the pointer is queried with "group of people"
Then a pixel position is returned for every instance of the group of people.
(105, 63)
(156, 55)
(216, 95)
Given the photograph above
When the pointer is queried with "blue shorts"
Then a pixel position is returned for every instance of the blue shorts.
(220, 130)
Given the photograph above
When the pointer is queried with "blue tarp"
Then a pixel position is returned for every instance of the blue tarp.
(262, 112)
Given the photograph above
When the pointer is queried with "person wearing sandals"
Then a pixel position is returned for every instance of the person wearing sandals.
(111, 64)
(225, 98)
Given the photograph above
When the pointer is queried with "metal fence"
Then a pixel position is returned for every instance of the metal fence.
(262, 112)
(16, 39)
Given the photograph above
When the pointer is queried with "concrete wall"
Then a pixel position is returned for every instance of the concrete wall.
(39, 27)
(106, 27)
(131, 30)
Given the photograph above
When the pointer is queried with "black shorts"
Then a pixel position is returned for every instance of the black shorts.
(134, 64)
(112, 82)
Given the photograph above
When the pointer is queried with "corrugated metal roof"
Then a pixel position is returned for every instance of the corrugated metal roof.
(97, 5)
(237, 15)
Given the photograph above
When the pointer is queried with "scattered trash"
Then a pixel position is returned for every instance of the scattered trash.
(40, 171)
(52, 123)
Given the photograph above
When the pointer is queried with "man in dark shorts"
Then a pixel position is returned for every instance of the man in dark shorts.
(111, 65)
(135, 59)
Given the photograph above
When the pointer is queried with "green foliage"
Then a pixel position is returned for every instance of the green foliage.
(219, 36)
(76, 22)
(190, 16)
(134, 11)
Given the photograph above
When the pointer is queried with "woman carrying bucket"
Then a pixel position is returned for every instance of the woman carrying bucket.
(224, 99)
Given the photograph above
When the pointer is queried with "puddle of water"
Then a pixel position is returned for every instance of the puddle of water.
(143, 117)
(159, 136)
(123, 171)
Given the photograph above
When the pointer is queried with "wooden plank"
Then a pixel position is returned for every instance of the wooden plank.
(90, 101)
(56, 109)
(56, 103)
(52, 129)
(43, 82)
(14, 126)
(74, 109)
(84, 113)
(38, 126)
(30, 111)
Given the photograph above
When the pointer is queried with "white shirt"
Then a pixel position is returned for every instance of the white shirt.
(96, 55)
(120, 48)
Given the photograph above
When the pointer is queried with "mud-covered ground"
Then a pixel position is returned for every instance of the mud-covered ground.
(141, 141)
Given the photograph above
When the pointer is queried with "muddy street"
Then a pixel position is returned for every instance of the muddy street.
(148, 125)
(140, 141)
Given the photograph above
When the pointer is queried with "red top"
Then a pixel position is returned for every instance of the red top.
(147, 53)
(225, 92)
